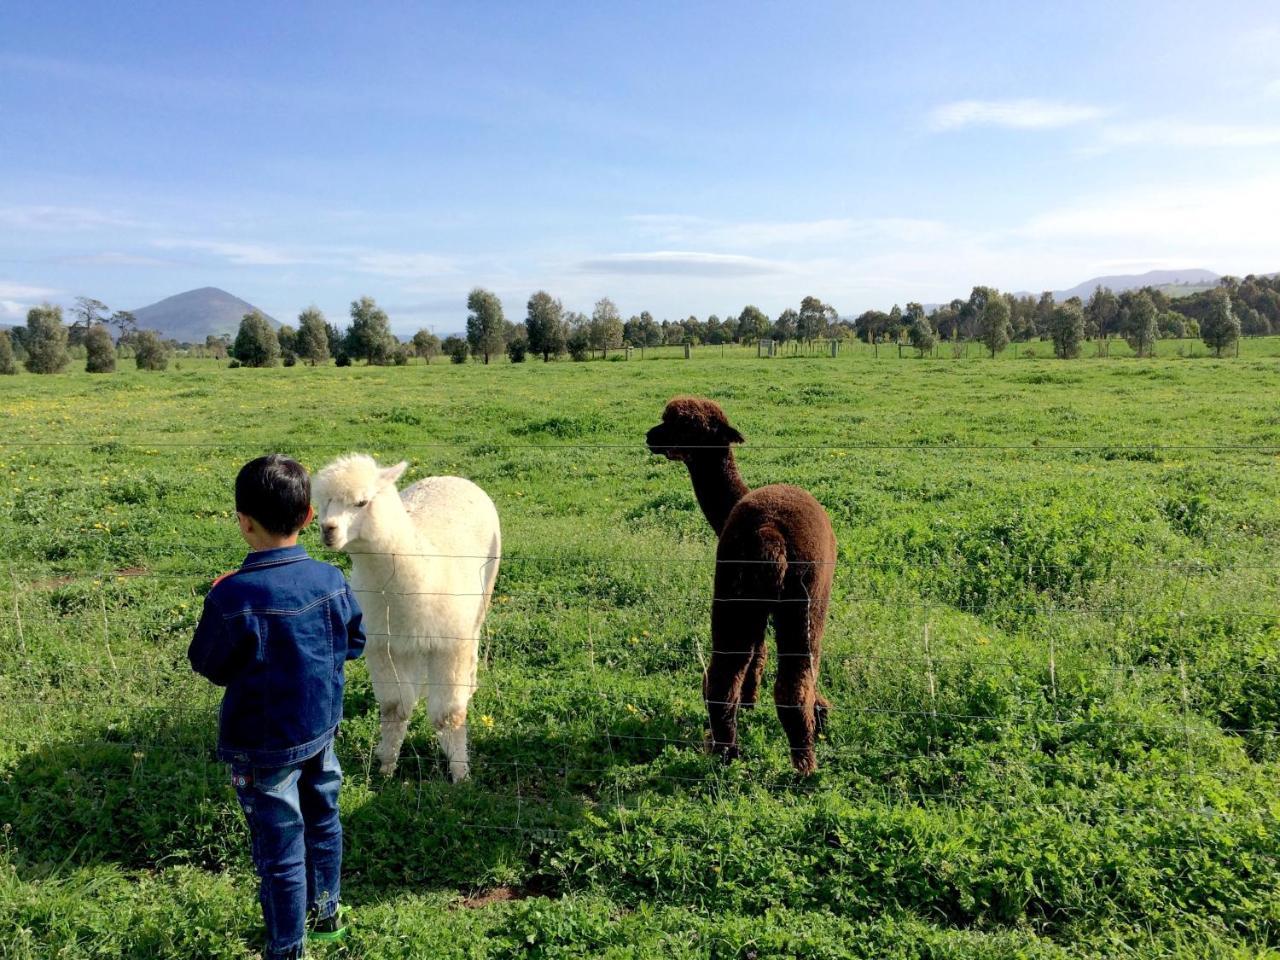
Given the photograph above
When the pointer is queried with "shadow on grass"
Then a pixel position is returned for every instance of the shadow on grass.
(111, 798)
(529, 789)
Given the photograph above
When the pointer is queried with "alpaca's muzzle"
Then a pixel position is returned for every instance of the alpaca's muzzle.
(659, 444)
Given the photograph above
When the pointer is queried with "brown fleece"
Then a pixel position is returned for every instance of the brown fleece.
(776, 557)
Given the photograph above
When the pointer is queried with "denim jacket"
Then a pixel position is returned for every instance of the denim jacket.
(276, 634)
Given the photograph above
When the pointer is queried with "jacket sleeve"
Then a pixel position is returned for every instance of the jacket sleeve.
(355, 626)
(215, 652)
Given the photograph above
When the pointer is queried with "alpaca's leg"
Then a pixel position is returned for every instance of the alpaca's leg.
(793, 695)
(801, 710)
(396, 690)
(821, 712)
(737, 635)
(452, 676)
(751, 683)
(394, 726)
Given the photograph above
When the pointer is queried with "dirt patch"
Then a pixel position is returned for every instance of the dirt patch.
(54, 582)
(486, 898)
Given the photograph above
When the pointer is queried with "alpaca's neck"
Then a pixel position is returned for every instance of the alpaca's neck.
(389, 540)
(716, 483)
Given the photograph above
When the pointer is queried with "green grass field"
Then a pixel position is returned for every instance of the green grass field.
(1054, 659)
(1113, 348)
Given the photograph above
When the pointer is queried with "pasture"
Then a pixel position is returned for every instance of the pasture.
(1053, 658)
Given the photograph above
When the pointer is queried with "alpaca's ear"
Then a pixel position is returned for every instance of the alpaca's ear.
(389, 475)
(732, 435)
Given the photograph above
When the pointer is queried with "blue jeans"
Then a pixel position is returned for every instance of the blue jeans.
(297, 843)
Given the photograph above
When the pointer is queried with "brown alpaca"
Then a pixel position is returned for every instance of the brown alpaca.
(776, 558)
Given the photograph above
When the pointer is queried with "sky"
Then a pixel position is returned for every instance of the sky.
(682, 158)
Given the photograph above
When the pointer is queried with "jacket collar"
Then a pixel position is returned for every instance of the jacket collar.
(278, 555)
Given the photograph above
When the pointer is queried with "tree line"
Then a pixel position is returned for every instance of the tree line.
(1219, 316)
(46, 343)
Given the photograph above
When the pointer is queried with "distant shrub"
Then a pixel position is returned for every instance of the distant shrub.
(8, 365)
(369, 337)
(256, 343)
(150, 352)
(1138, 323)
(400, 355)
(517, 349)
(312, 342)
(922, 335)
(289, 358)
(579, 344)
(1172, 325)
(1221, 327)
(1067, 328)
(100, 351)
(456, 348)
(426, 345)
(342, 360)
(45, 340)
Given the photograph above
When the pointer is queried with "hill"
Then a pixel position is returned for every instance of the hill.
(1194, 279)
(1173, 283)
(190, 317)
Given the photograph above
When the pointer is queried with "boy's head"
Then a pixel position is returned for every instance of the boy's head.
(275, 493)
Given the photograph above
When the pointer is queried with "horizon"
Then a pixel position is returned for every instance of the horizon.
(680, 161)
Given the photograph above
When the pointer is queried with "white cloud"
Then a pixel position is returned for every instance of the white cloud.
(17, 298)
(62, 218)
(667, 221)
(698, 231)
(407, 265)
(1025, 114)
(241, 254)
(682, 263)
(1224, 226)
(385, 263)
(115, 259)
(22, 291)
(1171, 221)
(1181, 133)
(13, 310)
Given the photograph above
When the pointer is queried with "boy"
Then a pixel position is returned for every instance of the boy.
(276, 634)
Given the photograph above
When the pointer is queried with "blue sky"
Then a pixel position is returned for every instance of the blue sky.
(681, 158)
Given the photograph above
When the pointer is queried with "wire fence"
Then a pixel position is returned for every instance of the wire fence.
(608, 687)
(95, 627)
(241, 443)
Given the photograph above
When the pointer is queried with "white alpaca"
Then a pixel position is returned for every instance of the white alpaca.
(423, 565)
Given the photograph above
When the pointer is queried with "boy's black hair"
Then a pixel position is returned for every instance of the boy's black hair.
(276, 492)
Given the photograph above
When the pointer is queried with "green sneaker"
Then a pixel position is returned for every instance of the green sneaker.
(330, 929)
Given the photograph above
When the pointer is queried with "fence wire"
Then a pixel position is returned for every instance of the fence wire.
(37, 714)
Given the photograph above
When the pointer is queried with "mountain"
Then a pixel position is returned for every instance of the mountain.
(1152, 278)
(190, 317)
(1174, 283)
